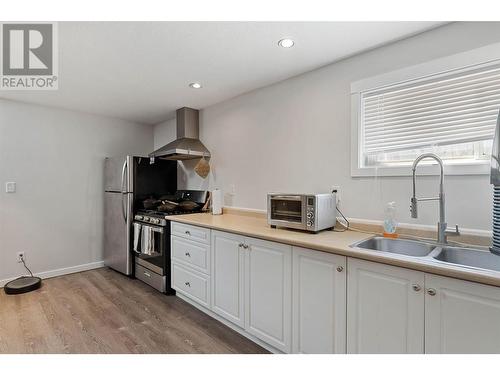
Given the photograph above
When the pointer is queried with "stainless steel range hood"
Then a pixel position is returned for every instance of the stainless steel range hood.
(187, 145)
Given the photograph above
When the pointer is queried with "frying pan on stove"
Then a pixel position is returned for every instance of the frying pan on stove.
(167, 206)
(150, 203)
(188, 205)
(169, 197)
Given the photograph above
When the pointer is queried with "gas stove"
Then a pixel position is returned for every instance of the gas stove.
(151, 234)
(159, 217)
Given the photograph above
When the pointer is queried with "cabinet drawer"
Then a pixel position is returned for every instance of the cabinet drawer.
(191, 283)
(191, 232)
(151, 278)
(193, 253)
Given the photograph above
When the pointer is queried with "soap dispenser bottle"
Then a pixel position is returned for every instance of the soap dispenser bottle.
(390, 224)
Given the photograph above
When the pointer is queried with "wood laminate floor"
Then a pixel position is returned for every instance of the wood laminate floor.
(102, 311)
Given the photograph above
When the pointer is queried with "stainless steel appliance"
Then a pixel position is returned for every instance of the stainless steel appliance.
(187, 145)
(311, 212)
(128, 180)
(151, 234)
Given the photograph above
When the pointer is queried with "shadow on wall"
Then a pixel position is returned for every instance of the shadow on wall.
(188, 179)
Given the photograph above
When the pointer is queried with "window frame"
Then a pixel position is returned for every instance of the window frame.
(453, 64)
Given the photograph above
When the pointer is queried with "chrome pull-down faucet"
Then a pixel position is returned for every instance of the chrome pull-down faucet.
(441, 232)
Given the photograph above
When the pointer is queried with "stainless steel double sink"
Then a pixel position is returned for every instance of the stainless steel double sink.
(448, 254)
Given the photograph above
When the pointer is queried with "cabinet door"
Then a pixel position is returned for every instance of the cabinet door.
(319, 302)
(461, 316)
(268, 292)
(228, 293)
(385, 308)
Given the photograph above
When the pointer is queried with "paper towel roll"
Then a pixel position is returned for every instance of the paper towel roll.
(216, 202)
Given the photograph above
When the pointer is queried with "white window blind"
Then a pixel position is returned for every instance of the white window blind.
(449, 109)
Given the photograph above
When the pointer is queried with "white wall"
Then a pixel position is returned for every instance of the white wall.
(164, 133)
(294, 136)
(56, 158)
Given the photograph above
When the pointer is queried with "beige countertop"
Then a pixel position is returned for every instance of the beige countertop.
(255, 225)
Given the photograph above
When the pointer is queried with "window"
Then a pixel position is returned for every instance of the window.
(451, 113)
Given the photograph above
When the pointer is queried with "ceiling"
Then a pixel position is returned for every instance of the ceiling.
(140, 71)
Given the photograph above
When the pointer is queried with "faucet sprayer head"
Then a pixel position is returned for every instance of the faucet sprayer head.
(413, 208)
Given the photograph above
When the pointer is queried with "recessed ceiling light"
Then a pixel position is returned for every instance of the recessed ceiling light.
(195, 85)
(286, 43)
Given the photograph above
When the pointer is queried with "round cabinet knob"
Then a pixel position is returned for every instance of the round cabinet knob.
(431, 292)
(416, 287)
(187, 254)
(187, 283)
(340, 269)
(188, 233)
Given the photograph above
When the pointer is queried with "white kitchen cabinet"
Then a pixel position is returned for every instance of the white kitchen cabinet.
(319, 302)
(385, 308)
(228, 277)
(268, 272)
(329, 303)
(192, 284)
(461, 316)
(191, 253)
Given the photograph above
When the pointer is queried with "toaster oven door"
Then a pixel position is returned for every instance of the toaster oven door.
(287, 211)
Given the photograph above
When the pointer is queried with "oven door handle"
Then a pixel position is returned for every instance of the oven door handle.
(154, 229)
(287, 197)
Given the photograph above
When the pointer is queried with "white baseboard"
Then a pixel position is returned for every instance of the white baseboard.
(61, 271)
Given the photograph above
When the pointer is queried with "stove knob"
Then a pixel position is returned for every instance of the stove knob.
(138, 217)
(146, 219)
(155, 221)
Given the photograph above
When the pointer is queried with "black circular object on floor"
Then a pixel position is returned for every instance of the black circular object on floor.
(23, 284)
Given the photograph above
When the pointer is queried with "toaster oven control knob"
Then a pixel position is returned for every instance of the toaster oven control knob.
(309, 215)
(309, 223)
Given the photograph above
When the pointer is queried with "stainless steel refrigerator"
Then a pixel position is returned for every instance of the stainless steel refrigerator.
(129, 180)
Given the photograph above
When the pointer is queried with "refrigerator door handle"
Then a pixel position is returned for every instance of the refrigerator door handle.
(124, 169)
(123, 207)
(124, 192)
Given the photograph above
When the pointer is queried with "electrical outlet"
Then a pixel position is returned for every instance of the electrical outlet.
(336, 190)
(20, 256)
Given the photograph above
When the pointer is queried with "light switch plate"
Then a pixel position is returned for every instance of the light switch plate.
(10, 187)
